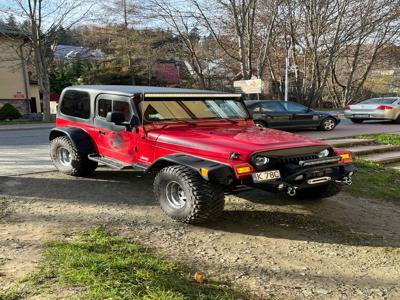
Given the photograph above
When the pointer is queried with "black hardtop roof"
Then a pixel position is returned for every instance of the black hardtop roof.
(137, 89)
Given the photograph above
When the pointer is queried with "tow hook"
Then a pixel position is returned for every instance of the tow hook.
(345, 180)
(291, 191)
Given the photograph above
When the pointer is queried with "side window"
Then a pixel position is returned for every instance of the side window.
(270, 107)
(76, 104)
(123, 107)
(104, 107)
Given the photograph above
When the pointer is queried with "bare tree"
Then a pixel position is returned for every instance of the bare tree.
(43, 19)
(185, 27)
(375, 26)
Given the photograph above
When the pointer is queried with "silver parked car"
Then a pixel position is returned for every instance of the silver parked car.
(387, 108)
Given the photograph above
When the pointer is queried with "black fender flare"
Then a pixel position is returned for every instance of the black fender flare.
(215, 171)
(80, 138)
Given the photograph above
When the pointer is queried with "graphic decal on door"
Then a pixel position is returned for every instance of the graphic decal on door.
(116, 141)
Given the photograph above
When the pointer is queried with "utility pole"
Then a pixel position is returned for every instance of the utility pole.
(287, 74)
(127, 45)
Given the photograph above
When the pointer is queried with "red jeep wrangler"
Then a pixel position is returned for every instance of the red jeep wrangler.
(200, 144)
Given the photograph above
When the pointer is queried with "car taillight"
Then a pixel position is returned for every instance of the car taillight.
(384, 107)
(347, 107)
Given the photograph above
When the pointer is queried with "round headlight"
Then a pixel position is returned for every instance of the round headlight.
(323, 153)
(261, 161)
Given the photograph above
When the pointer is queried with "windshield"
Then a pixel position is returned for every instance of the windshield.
(379, 101)
(158, 110)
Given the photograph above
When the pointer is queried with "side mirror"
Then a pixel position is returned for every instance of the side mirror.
(134, 121)
(115, 117)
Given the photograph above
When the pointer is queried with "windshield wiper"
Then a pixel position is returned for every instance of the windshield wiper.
(178, 121)
(224, 119)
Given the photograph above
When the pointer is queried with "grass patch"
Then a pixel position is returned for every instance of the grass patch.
(390, 139)
(96, 265)
(375, 181)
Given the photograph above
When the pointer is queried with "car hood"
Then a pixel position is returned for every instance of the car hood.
(222, 141)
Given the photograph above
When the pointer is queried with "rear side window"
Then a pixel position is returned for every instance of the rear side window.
(294, 107)
(271, 107)
(76, 104)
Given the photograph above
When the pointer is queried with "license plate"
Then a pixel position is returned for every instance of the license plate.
(361, 116)
(265, 176)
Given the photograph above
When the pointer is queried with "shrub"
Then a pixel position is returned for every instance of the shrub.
(8, 111)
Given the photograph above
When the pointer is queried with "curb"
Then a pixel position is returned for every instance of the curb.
(26, 127)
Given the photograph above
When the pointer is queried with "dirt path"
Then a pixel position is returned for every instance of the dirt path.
(338, 248)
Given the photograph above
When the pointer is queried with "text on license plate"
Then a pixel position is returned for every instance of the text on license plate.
(265, 176)
(361, 116)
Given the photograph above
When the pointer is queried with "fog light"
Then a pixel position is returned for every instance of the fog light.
(281, 186)
(351, 173)
(300, 177)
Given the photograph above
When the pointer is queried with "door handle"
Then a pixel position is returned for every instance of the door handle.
(102, 132)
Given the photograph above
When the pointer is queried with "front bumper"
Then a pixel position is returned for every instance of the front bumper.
(305, 177)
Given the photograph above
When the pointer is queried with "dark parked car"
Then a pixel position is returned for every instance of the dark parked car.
(287, 114)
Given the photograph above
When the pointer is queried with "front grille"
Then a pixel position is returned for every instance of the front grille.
(296, 159)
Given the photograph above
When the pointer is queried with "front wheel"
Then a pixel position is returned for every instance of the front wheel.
(319, 192)
(328, 124)
(68, 160)
(186, 197)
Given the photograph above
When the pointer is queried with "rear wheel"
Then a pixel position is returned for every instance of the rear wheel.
(186, 197)
(397, 121)
(319, 192)
(68, 160)
(357, 121)
(261, 124)
(328, 124)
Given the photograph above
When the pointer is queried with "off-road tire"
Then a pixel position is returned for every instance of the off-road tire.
(324, 127)
(261, 124)
(357, 121)
(205, 200)
(80, 164)
(319, 192)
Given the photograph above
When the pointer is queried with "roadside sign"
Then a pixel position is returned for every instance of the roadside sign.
(19, 95)
(253, 86)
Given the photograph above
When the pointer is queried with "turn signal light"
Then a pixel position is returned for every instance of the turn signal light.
(243, 169)
(346, 158)
(384, 107)
(347, 107)
(204, 172)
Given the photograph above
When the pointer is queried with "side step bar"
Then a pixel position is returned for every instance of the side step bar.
(112, 163)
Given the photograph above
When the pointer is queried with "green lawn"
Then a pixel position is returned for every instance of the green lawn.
(375, 181)
(391, 139)
(96, 265)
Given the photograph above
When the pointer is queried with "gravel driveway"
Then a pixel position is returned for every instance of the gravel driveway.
(340, 248)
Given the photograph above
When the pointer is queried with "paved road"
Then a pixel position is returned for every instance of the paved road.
(26, 151)
(346, 128)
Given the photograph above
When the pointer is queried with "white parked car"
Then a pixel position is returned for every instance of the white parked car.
(387, 108)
